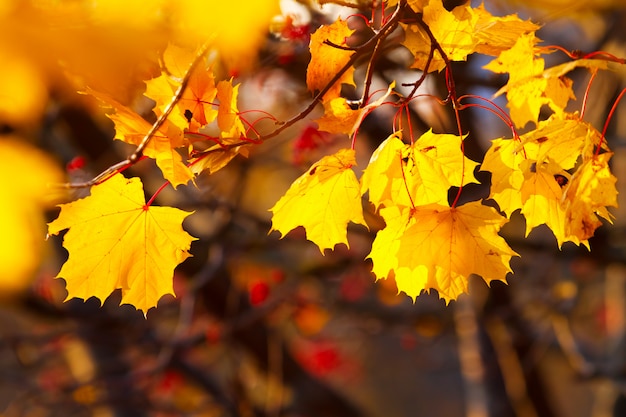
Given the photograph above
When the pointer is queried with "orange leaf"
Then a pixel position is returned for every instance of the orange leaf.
(228, 114)
(115, 242)
(327, 60)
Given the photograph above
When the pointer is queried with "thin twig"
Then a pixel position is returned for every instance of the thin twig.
(138, 152)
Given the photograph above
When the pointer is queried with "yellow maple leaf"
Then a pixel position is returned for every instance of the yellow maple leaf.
(323, 200)
(563, 139)
(198, 97)
(115, 241)
(338, 116)
(497, 34)
(418, 174)
(27, 174)
(327, 60)
(196, 107)
(439, 247)
(161, 89)
(531, 174)
(434, 163)
(521, 63)
(541, 197)
(453, 30)
(590, 191)
(530, 85)
(384, 166)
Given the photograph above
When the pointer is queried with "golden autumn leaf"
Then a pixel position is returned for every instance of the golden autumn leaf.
(196, 106)
(521, 62)
(434, 163)
(541, 196)
(453, 30)
(115, 241)
(497, 34)
(340, 118)
(216, 158)
(385, 166)
(131, 128)
(418, 174)
(161, 89)
(587, 196)
(439, 247)
(530, 85)
(23, 199)
(530, 174)
(561, 139)
(228, 120)
(327, 60)
(199, 95)
(323, 200)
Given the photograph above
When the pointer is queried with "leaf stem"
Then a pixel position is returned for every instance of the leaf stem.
(583, 107)
(608, 120)
(156, 193)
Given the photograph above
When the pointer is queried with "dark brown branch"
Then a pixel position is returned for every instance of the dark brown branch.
(145, 141)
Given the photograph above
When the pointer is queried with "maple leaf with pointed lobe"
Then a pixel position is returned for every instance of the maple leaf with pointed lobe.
(115, 241)
(453, 30)
(417, 174)
(338, 117)
(216, 158)
(199, 95)
(530, 85)
(439, 247)
(327, 60)
(384, 169)
(460, 32)
(587, 196)
(541, 196)
(530, 174)
(323, 200)
(497, 34)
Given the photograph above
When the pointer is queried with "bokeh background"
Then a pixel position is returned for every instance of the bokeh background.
(263, 326)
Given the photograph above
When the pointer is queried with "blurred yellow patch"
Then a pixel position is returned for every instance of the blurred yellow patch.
(26, 172)
(239, 27)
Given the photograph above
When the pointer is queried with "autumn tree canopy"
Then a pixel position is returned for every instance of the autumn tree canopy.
(125, 129)
(553, 167)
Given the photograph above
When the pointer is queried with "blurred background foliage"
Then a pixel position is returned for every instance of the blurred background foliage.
(270, 327)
